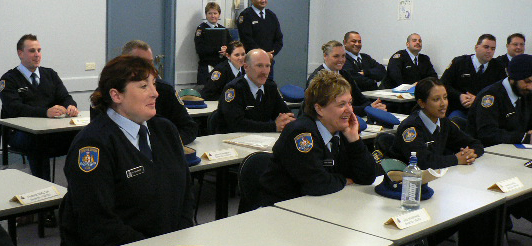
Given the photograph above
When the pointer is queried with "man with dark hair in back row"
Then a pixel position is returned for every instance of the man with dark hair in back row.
(515, 44)
(469, 74)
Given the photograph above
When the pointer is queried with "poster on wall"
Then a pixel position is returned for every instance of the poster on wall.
(405, 9)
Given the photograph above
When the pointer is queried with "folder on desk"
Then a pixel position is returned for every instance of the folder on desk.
(253, 141)
(405, 88)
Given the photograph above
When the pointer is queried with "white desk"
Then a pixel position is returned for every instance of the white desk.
(360, 208)
(35, 125)
(510, 150)
(15, 182)
(265, 226)
(386, 95)
(211, 106)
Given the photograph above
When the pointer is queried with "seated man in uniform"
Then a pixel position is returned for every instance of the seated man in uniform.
(469, 74)
(252, 103)
(168, 104)
(502, 112)
(364, 69)
(408, 66)
(515, 45)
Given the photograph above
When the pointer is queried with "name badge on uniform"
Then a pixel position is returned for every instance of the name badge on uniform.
(328, 163)
(408, 67)
(510, 114)
(23, 89)
(250, 107)
(134, 172)
(429, 143)
(466, 75)
(254, 22)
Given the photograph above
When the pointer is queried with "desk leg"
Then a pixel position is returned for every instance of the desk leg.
(222, 193)
(12, 229)
(4, 146)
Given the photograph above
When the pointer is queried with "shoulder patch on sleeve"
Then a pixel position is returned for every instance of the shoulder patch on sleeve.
(179, 98)
(396, 55)
(216, 75)
(487, 101)
(229, 95)
(241, 19)
(88, 158)
(2, 85)
(198, 32)
(409, 134)
(304, 142)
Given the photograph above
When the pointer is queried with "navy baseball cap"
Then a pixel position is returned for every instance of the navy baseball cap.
(520, 67)
(362, 125)
(292, 93)
(191, 157)
(193, 102)
(381, 117)
(391, 189)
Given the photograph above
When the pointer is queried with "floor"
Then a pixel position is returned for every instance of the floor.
(27, 235)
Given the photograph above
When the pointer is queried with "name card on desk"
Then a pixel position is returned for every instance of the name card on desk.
(218, 154)
(80, 121)
(507, 185)
(409, 219)
(405, 96)
(36, 196)
(374, 128)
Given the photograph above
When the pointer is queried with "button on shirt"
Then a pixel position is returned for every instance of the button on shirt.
(431, 126)
(27, 73)
(128, 127)
(325, 134)
(254, 88)
(476, 63)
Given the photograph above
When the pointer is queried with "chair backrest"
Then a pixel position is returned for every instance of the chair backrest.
(253, 166)
(212, 122)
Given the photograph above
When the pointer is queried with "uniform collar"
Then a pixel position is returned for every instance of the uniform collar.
(427, 122)
(511, 94)
(211, 25)
(325, 134)
(27, 73)
(412, 56)
(509, 57)
(353, 55)
(327, 68)
(253, 87)
(476, 63)
(127, 125)
(257, 11)
(233, 68)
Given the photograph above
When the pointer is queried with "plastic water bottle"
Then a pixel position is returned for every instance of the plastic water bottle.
(411, 193)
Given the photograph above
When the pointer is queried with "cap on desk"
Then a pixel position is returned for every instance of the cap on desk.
(191, 157)
(292, 93)
(362, 125)
(392, 189)
(381, 117)
(193, 102)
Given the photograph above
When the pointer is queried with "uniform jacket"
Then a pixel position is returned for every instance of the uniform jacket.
(503, 60)
(169, 106)
(373, 72)
(493, 119)
(359, 100)
(111, 203)
(433, 151)
(208, 54)
(461, 77)
(297, 171)
(240, 112)
(21, 99)
(220, 76)
(401, 70)
(256, 33)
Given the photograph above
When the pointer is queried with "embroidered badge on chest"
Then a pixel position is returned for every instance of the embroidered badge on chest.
(409, 134)
(304, 142)
(487, 101)
(2, 85)
(229, 95)
(215, 75)
(88, 158)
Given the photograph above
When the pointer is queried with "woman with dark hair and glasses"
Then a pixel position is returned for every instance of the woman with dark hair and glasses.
(127, 175)
(438, 142)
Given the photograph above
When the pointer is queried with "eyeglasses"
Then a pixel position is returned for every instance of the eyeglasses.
(518, 44)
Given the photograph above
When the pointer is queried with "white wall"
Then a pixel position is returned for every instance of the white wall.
(189, 14)
(71, 33)
(448, 28)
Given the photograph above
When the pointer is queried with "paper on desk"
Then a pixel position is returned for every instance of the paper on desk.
(36, 196)
(384, 93)
(80, 121)
(405, 96)
(373, 128)
(403, 87)
(253, 141)
(523, 146)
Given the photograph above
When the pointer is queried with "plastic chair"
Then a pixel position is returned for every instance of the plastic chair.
(253, 166)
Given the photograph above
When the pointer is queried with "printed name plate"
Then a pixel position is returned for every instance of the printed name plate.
(507, 185)
(36, 196)
(409, 219)
(218, 154)
(82, 121)
(374, 128)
